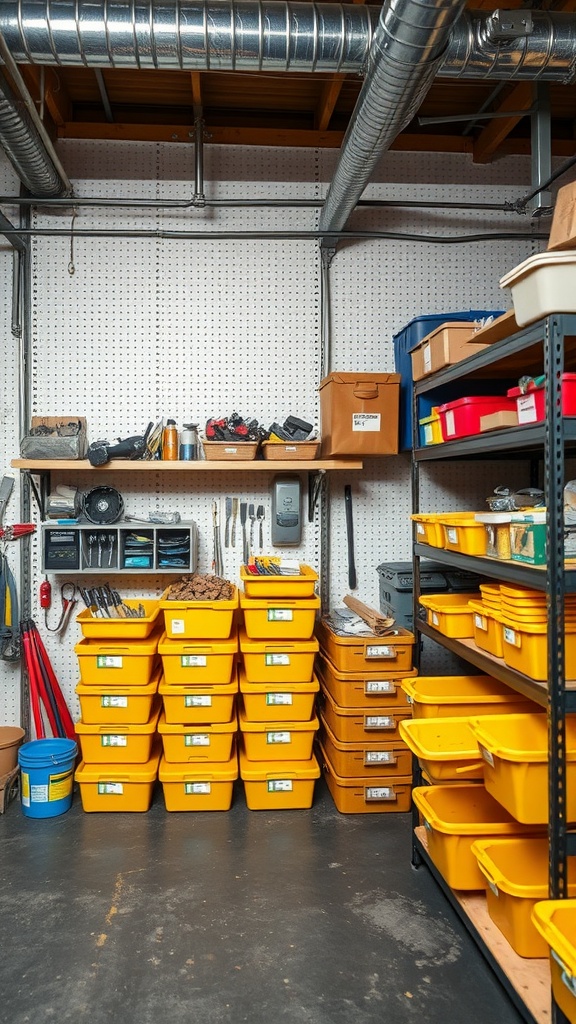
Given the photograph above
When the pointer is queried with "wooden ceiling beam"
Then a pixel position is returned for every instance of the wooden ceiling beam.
(196, 83)
(56, 98)
(492, 137)
(328, 100)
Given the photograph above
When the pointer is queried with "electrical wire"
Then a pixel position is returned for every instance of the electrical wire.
(315, 235)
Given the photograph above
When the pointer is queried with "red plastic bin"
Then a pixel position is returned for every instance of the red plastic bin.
(461, 417)
(530, 404)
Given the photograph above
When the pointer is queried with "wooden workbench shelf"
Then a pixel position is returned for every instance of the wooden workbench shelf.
(195, 466)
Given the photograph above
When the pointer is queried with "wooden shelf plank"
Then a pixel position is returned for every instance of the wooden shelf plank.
(196, 466)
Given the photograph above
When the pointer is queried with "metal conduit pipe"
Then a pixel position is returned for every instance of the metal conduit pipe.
(409, 42)
(24, 147)
(255, 35)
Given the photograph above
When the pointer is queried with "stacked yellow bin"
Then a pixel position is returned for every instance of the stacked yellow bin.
(366, 764)
(117, 731)
(278, 690)
(198, 723)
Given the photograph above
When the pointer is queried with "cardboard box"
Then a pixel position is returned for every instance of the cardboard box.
(9, 788)
(359, 414)
(563, 229)
(55, 446)
(444, 346)
(498, 420)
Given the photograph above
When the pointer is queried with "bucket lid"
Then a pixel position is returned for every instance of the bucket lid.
(52, 750)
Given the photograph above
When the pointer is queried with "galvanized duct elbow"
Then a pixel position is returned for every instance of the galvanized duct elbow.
(24, 148)
(409, 43)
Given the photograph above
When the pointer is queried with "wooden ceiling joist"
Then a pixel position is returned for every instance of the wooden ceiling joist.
(489, 140)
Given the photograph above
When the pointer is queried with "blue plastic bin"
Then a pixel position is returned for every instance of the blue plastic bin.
(405, 340)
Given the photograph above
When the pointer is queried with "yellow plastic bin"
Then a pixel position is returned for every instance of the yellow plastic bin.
(462, 696)
(277, 741)
(369, 689)
(117, 705)
(375, 794)
(278, 661)
(201, 787)
(118, 787)
(118, 744)
(121, 628)
(515, 753)
(264, 702)
(198, 661)
(283, 586)
(450, 614)
(487, 629)
(428, 530)
(368, 757)
(199, 620)
(525, 647)
(462, 533)
(445, 747)
(357, 654)
(454, 818)
(555, 920)
(283, 785)
(358, 724)
(516, 878)
(194, 703)
(279, 618)
(117, 662)
(192, 743)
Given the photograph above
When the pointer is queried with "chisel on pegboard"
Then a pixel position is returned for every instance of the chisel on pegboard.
(350, 537)
(6, 485)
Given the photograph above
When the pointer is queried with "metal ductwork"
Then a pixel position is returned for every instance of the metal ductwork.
(24, 147)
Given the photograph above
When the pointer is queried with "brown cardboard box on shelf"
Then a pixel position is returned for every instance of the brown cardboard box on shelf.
(359, 414)
(498, 420)
(444, 346)
(563, 229)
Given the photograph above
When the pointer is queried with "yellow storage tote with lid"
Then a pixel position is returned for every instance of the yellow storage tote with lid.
(358, 758)
(369, 689)
(277, 741)
(278, 661)
(199, 787)
(200, 620)
(117, 662)
(445, 747)
(462, 696)
(194, 703)
(487, 629)
(463, 533)
(282, 785)
(555, 920)
(198, 661)
(118, 744)
(284, 586)
(455, 817)
(277, 618)
(265, 702)
(133, 628)
(450, 614)
(515, 753)
(117, 705)
(516, 878)
(374, 794)
(118, 787)
(357, 654)
(194, 743)
(359, 724)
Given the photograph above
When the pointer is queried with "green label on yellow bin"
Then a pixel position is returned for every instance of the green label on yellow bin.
(193, 661)
(110, 788)
(114, 741)
(280, 615)
(277, 737)
(279, 785)
(197, 788)
(108, 661)
(275, 699)
(276, 659)
(113, 701)
(197, 739)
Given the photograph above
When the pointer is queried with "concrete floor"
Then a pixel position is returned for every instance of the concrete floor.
(302, 917)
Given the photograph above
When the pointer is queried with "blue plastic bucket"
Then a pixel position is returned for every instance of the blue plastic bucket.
(47, 776)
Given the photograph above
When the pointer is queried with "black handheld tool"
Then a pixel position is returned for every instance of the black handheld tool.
(100, 452)
(350, 537)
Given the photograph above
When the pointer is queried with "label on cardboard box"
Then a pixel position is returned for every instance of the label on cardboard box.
(427, 357)
(366, 421)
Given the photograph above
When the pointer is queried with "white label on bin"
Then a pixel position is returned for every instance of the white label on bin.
(427, 356)
(379, 686)
(109, 661)
(486, 755)
(198, 700)
(480, 622)
(420, 528)
(177, 626)
(279, 786)
(379, 757)
(278, 737)
(197, 788)
(526, 408)
(38, 794)
(114, 741)
(231, 451)
(379, 651)
(451, 535)
(379, 793)
(379, 722)
(274, 699)
(435, 619)
(366, 422)
(110, 788)
(193, 660)
(449, 424)
(280, 615)
(510, 636)
(113, 701)
(197, 739)
(276, 659)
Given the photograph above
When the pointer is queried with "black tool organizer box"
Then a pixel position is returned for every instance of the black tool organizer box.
(396, 585)
(88, 548)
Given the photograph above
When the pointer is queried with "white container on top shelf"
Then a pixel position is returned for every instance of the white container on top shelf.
(542, 284)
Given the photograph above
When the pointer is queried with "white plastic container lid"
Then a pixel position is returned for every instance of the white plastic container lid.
(493, 517)
(540, 259)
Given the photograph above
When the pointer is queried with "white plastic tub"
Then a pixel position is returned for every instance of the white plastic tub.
(542, 284)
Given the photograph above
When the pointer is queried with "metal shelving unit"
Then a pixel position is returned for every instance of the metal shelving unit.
(547, 346)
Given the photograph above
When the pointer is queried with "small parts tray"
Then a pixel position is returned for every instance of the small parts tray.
(279, 586)
(229, 451)
(120, 629)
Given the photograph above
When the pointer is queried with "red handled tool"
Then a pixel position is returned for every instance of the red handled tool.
(16, 531)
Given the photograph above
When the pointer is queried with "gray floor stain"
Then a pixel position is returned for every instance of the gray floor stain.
(432, 942)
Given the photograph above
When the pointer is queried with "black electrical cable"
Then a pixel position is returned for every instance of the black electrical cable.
(520, 204)
(216, 236)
